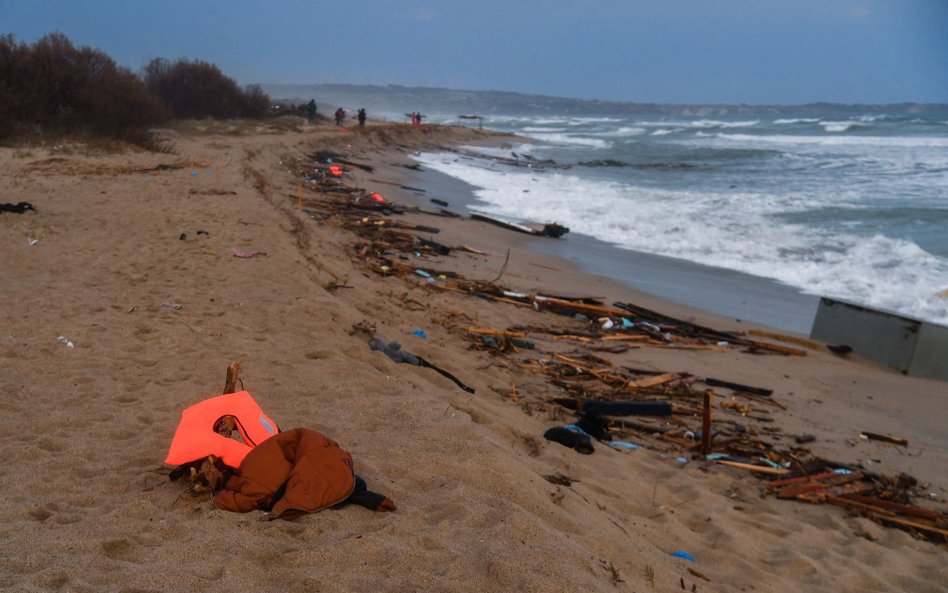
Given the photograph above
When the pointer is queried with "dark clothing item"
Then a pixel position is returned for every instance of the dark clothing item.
(570, 437)
(19, 208)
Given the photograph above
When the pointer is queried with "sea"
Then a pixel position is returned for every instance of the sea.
(750, 217)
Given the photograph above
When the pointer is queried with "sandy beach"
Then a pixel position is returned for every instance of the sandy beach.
(124, 301)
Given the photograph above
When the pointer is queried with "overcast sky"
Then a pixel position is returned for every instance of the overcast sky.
(665, 51)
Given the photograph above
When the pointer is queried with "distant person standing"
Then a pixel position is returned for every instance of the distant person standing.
(311, 109)
(340, 116)
(362, 117)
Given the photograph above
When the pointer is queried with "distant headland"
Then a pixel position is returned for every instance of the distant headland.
(403, 98)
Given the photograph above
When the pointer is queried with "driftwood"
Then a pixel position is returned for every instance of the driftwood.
(884, 438)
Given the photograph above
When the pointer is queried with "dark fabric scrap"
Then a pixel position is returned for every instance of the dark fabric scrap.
(573, 439)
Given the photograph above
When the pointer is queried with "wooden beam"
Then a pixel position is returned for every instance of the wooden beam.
(706, 423)
(486, 331)
(654, 380)
(778, 349)
(811, 344)
(764, 469)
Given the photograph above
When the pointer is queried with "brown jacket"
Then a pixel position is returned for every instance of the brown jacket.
(315, 471)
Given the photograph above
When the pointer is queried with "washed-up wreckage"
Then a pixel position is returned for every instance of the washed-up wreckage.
(710, 420)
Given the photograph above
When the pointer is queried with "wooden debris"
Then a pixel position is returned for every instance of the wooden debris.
(754, 346)
(706, 423)
(811, 344)
(653, 381)
(761, 391)
(764, 469)
(872, 436)
(485, 331)
(589, 382)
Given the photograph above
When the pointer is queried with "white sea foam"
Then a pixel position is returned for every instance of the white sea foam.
(667, 131)
(798, 120)
(739, 230)
(837, 126)
(701, 124)
(572, 139)
(881, 141)
(621, 132)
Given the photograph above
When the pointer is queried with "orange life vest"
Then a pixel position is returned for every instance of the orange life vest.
(195, 437)
(377, 198)
(335, 171)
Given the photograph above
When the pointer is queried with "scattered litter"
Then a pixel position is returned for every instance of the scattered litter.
(205, 233)
(685, 555)
(183, 237)
(32, 241)
(571, 436)
(66, 341)
(420, 333)
(247, 254)
(885, 438)
(18, 208)
(394, 351)
(744, 434)
(172, 306)
(681, 459)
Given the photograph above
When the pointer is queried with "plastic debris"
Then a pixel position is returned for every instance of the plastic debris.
(685, 555)
(66, 341)
(420, 333)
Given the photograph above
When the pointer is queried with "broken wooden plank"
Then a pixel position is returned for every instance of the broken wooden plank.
(543, 301)
(626, 407)
(625, 338)
(764, 469)
(653, 381)
(811, 344)
(761, 391)
(775, 348)
(799, 479)
(903, 509)
(821, 496)
(854, 504)
(906, 523)
(795, 490)
(706, 423)
(885, 438)
(486, 331)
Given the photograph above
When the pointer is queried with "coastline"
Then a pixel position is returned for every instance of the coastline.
(155, 319)
(726, 293)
